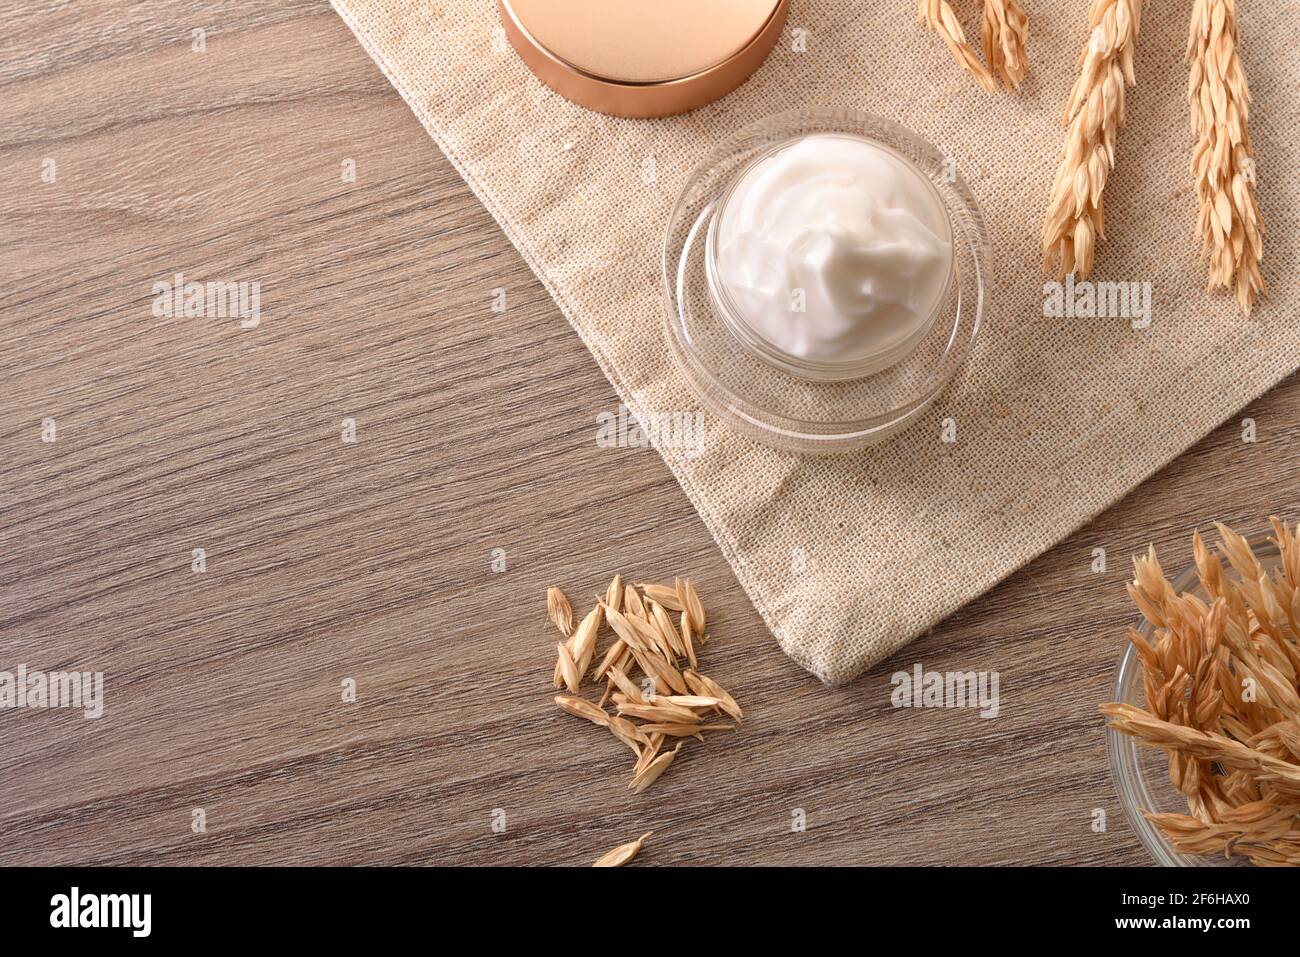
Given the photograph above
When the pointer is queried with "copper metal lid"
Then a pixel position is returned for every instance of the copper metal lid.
(643, 57)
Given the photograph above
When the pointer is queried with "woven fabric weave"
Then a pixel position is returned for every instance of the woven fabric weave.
(849, 557)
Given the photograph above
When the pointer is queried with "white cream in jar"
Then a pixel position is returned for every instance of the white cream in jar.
(833, 251)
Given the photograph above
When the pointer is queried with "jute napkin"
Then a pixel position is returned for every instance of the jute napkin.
(848, 558)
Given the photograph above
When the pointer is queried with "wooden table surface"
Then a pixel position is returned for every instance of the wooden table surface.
(372, 560)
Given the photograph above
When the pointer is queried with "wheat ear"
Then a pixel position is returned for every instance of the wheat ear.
(1223, 164)
(1005, 32)
(1075, 215)
(938, 16)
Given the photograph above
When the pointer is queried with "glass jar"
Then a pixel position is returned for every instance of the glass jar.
(784, 400)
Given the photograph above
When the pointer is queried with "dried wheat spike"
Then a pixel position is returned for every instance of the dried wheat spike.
(1223, 164)
(1004, 31)
(1075, 216)
(938, 16)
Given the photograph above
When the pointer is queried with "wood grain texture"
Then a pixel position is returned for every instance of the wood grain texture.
(371, 560)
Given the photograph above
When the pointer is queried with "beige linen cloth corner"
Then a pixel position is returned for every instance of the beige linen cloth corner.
(848, 558)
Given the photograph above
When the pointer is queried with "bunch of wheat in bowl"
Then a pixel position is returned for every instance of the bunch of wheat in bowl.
(1222, 687)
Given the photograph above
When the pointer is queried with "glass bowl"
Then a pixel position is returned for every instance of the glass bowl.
(787, 407)
(1140, 772)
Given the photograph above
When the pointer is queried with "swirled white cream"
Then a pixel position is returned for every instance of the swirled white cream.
(834, 249)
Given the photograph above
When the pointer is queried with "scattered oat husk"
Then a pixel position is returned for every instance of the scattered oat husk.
(626, 685)
(1224, 161)
(672, 639)
(626, 658)
(707, 687)
(694, 609)
(658, 710)
(692, 701)
(688, 641)
(637, 632)
(582, 646)
(649, 752)
(612, 657)
(569, 668)
(624, 853)
(666, 702)
(663, 644)
(683, 729)
(582, 708)
(1222, 687)
(665, 595)
(653, 770)
(614, 593)
(632, 605)
(661, 672)
(629, 734)
(560, 611)
(1075, 220)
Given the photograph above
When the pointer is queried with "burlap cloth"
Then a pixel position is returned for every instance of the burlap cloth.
(848, 558)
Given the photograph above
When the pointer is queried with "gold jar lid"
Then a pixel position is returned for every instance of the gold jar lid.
(643, 57)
